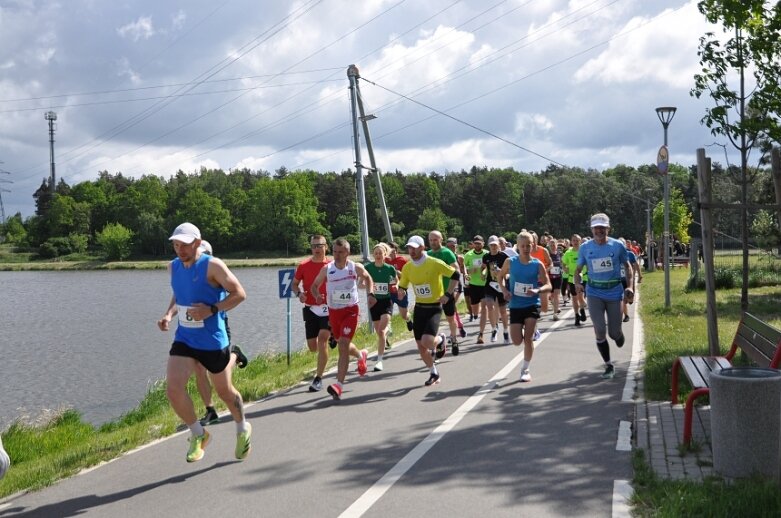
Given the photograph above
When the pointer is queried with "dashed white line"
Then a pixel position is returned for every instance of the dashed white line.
(624, 441)
(622, 493)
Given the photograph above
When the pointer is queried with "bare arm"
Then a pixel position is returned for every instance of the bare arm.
(219, 274)
(315, 287)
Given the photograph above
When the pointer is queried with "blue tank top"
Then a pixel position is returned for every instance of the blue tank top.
(523, 277)
(604, 268)
(190, 285)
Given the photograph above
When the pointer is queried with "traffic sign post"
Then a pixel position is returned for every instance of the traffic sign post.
(286, 292)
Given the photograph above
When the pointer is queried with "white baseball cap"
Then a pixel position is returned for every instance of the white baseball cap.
(493, 240)
(186, 233)
(600, 220)
(416, 242)
(206, 247)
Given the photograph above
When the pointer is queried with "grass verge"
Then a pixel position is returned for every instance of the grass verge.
(41, 455)
(679, 331)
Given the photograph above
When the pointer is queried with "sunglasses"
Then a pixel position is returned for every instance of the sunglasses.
(318, 245)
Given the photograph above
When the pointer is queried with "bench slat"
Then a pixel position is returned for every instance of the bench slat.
(699, 368)
(755, 346)
(762, 328)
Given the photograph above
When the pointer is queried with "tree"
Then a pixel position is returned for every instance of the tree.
(14, 230)
(116, 241)
(745, 116)
(680, 217)
(765, 230)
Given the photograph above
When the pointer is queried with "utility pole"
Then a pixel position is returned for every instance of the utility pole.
(2, 208)
(51, 117)
(352, 74)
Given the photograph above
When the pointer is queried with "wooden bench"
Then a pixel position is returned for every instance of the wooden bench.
(760, 341)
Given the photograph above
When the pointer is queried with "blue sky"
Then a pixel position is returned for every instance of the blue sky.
(149, 87)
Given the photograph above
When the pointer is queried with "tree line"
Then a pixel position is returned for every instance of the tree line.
(245, 211)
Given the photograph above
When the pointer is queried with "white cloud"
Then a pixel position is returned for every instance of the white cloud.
(177, 21)
(140, 29)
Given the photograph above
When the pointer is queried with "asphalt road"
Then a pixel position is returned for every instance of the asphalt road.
(479, 443)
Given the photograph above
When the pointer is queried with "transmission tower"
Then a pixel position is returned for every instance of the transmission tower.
(51, 117)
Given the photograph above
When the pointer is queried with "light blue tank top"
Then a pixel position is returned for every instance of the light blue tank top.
(523, 277)
(190, 285)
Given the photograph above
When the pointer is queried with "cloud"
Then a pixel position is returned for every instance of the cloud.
(140, 29)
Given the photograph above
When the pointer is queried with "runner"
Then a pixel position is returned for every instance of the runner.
(604, 256)
(447, 256)
(342, 277)
(626, 282)
(527, 279)
(316, 326)
(473, 262)
(541, 253)
(555, 272)
(452, 244)
(507, 248)
(570, 263)
(495, 303)
(465, 286)
(425, 274)
(398, 262)
(383, 275)
(200, 283)
(563, 246)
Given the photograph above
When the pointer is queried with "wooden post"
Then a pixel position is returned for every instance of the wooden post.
(704, 187)
(776, 168)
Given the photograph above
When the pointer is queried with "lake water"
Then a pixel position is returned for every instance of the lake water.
(89, 339)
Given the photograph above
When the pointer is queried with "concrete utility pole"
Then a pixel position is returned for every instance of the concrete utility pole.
(352, 74)
(51, 117)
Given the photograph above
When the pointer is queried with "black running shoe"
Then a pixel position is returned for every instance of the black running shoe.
(432, 380)
(582, 315)
(577, 320)
(626, 318)
(409, 325)
(210, 417)
(241, 358)
(454, 349)
(620, 341)
(332, 343)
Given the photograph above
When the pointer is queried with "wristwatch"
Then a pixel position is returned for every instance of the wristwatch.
(214, 309)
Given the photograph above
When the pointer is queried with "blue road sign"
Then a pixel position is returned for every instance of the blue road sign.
(286, 283)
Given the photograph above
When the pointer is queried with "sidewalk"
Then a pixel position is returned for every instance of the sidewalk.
(659, 431)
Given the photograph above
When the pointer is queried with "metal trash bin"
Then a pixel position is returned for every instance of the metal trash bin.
(746, 421)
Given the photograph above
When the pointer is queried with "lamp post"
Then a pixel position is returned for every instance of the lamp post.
(666, 114)
(649, 245)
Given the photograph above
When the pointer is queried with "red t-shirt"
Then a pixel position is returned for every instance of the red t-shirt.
(307, 272)
(397, 263)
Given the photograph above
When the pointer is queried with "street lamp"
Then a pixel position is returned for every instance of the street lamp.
(666, 114)
(649, 244)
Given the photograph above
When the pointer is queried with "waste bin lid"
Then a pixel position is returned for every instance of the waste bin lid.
(750, 372)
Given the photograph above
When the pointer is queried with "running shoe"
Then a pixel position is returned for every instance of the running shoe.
(316, 385)
(577, 320)
(378, 366)
(244, 443)
(555, 318)
(362, 362)
(537, 335)
(387, 345)
(409, 325)
(620, 341)
(241, 358)
(454, 349)
(335, 390)
(210, 417)
(609, 373)
(471, 318)
(441, 347)
(462, 332)
(480, 340)
(506, 337)
(332, 343)
(626, 318)
(197, 445)
(432, 380)
(493, 334)
(525, 376)
(582, 315)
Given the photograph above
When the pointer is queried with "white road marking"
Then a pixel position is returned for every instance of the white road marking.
(630, 386)
(375, 492)
(624, 442)
(622, 493)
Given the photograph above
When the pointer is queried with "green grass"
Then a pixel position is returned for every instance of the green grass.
(41, 455)
(681, 330)
(678, 331)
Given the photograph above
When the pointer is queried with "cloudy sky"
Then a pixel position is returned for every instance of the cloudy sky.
(150, 87)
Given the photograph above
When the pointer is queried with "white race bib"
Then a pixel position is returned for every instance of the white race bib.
(601, 265)
(477, 263)
(320, 311)
(555, 270)
(342, 297)
(521, 289)
(495, 285)
(381, 288)
(185, 320)
(422, 290)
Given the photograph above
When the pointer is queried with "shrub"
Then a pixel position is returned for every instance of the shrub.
(116, 241)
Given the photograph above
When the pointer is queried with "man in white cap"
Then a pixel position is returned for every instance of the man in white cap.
(204, 289)
(604, 257)
(425, 274)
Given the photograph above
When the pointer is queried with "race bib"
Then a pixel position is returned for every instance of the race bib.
(623, 272)
(601, 265)
(521, 289)
(381, 288)
(342, 297)
(495, 285)
(477, 263)
(320, 311)
(423, 290)
(555, 270)
(185, 320)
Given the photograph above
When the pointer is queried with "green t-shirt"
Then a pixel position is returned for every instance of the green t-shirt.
(447, 256)
(382, 277)
(570, 259)
(473, 264)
